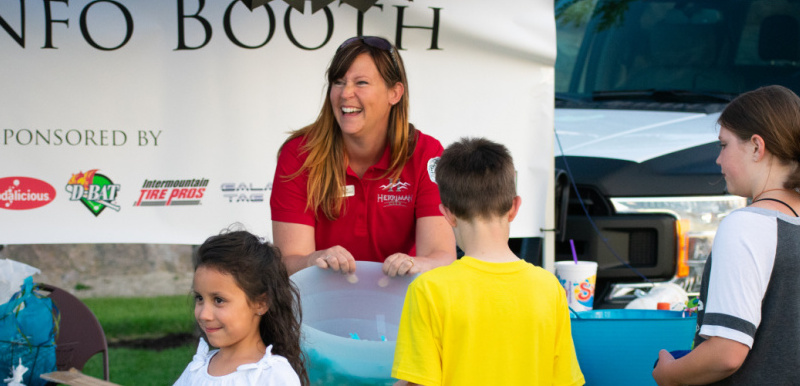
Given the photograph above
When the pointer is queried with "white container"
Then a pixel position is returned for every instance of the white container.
(336, 306)
(578, 280)
(660, 293)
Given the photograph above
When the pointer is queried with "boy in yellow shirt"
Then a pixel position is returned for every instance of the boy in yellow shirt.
(489, 318)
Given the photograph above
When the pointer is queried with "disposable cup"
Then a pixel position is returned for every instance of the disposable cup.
(578, 280)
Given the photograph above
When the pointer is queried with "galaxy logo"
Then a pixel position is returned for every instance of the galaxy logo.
(23, 193)
(172, 192)
(244, 192)
(96, 191)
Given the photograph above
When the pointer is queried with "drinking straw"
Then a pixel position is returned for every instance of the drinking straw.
(574, 254)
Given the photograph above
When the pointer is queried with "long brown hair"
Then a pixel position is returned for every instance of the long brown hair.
(773, 112)
(258, 270)
(327, 161)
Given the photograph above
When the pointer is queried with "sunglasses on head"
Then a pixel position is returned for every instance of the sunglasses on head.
(375, 42)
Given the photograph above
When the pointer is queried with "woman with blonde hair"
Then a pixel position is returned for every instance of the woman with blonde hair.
(358, 183)
(749, 316)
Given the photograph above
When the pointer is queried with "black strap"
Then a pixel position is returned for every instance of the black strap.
(777, 200)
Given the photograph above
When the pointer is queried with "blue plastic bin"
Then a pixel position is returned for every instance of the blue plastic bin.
(619, 347)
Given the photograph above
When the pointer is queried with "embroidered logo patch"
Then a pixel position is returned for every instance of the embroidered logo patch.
(395, 199)
(432, 168)
(396, 193)
(395, 186)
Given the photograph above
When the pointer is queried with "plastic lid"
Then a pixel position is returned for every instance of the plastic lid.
(663, 306)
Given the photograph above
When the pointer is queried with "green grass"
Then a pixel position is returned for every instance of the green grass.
(132, 318)
(128, 318)
(142, 367)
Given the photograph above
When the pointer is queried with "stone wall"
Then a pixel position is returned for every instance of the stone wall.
(98, 270)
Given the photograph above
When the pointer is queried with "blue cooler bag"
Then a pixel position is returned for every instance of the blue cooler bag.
(618, 346)
(28, 325)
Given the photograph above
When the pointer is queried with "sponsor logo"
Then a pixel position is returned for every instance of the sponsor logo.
(22, 193)
(244, 192)
(94, 190)
(172, 192)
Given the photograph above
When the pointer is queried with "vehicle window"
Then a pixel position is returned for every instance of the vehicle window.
(770, 36)
(703, 47)
(572, 18)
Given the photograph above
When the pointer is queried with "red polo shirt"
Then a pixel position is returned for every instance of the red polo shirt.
(379, 216)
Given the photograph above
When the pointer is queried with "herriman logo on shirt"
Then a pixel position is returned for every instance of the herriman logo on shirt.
(172, 192)
(94, 190)
(395, 185)
(393, 194)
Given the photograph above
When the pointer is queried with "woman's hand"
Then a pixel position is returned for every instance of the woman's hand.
(436, 246)
(336, 259)
(400, 264)
(296, 242)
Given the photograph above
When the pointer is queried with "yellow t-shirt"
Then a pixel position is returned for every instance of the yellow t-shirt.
(481, 323)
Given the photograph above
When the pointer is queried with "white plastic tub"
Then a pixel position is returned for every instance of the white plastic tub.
(336, 306)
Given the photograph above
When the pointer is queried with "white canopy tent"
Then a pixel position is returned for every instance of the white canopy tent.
(151, 121)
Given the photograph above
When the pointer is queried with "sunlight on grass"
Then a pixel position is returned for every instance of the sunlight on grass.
(142, 367)
(130, 318)
(126, 318)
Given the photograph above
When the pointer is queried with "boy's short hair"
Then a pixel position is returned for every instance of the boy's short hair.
(476, 178)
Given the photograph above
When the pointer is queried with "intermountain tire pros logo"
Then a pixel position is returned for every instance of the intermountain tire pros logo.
(172, 192)
(23, 193)
(94, 190)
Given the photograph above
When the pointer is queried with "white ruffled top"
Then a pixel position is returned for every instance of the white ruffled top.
(270, 370)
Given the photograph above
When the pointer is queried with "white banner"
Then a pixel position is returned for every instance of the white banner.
(191, 99)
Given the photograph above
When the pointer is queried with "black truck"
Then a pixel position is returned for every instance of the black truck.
(639, 87)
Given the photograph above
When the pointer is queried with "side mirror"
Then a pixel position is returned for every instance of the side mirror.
(563, 188)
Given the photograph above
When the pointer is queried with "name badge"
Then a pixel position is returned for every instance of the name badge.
(349, 191)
